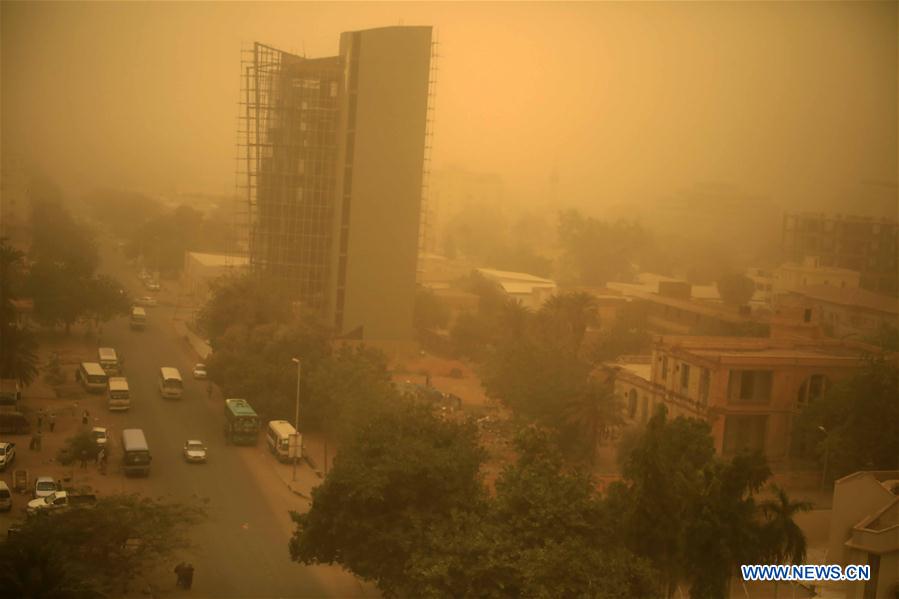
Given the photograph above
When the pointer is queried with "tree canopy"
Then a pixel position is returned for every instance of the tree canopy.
(18, 348)
(736, 289)
(88, 552)
(861, 418)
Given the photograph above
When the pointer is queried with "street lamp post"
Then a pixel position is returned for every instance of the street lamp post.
(826, 455)
(296, 421)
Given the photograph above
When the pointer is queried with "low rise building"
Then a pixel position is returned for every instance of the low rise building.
(530, 290)
(748, 389)
(201, 269)
(864, 529)
(846, 312)
(810, 272)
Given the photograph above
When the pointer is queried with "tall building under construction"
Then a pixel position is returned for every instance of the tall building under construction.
(333, 157)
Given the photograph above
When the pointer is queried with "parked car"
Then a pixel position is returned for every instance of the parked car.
(194, 451)
(146, 301)
(60, 500)
(5, 497)
(152, 285)
(43, 486)
(7, 454)
(199, 371)
(100, 436)
(14, 423)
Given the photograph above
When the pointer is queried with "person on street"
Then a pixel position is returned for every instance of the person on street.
(52, 421)
(84, 417)
(83, 458)
(40, 419)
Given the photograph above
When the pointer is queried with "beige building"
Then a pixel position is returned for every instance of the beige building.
(748, 389)
(810, 272)
(202, 269)
(864, 529)
(528, 289)
(854, 312)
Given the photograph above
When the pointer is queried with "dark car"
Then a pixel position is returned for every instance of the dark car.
(14, 423)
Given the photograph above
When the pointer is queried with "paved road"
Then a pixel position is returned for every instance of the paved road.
(242, 549)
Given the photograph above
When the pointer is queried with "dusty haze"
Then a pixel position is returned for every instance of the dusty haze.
(794, 103)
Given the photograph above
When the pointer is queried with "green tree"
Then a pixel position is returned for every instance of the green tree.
(124, 212)
(566, 317)
(106, 547)
(18, 348)
(403, 472)
(861, 417)
(592, 413)
(626, 335)
(241, 300)
(598, 252)
(736, 289)
(430, 311)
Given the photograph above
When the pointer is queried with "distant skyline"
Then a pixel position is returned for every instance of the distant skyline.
(795, 103)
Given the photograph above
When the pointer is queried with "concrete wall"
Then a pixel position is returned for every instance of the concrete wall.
(387, 141)
(854, 497)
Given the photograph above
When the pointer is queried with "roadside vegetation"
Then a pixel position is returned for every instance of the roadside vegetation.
(101, 551)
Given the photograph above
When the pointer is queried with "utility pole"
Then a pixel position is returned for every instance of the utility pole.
(296, 422)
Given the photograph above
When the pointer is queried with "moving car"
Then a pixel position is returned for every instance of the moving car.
(194, 451)
(146, 301)
(100, 436)
(7, 454)
(199, 371)
(44, 486)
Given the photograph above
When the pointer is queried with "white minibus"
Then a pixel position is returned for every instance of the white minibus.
(118, 394)
(170, 384)
(108, 360)
(92, 377)
(279, 436)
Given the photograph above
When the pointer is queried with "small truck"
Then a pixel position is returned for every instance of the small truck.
(60, 500)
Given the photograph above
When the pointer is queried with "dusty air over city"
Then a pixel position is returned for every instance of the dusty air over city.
(449, 299)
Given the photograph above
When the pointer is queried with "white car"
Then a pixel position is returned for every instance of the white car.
(7, 454)
(199, 371)
(153, 286)
(43, 486)
(100, 436)
(194, 451)
(146, 301)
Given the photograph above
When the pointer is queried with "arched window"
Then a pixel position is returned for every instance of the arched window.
(632, 404)
(811, 389)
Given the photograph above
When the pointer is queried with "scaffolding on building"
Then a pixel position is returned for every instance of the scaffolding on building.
(287, 156)
(426, 234)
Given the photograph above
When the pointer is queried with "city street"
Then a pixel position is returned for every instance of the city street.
(241, 551)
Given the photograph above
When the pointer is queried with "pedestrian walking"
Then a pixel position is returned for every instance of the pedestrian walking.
(39, 440)
(103, 462)
(84, 417)
(83, 458)
(33, 443)
(52, 421)
(209, 390)
(40, 419)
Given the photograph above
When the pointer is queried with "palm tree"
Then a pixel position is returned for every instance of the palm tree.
(18, 354)
(783, 540)
(568, 315)
(594, 411)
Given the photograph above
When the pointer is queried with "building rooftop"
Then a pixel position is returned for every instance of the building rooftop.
(767, 348)
(219, 259)
(851, 296)
(517, 277)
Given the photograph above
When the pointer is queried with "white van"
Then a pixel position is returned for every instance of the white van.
(138, 318)
(278, 437)
(170, 384)
(118, 394)
(108, 360)
(92, 377)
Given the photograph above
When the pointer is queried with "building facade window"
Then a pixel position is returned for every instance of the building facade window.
(750, 385)
(685, 377)
(811, 389)
(704, 384)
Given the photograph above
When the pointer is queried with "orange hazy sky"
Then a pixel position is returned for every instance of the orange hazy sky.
(793, 102)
